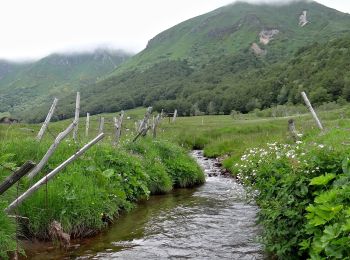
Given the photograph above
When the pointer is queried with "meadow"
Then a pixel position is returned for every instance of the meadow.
(91, 192)
(301, 188)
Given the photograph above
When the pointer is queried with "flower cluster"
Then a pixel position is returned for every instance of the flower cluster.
(255, 158)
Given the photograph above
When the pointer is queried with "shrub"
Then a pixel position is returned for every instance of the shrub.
(303, 194)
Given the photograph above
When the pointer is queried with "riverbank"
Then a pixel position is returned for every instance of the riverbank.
(203, 222)
(91, 193)
(301, 187)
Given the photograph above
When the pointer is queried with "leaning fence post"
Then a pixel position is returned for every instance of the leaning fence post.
(312, 111)
(50, 175)
(15, 176)
(76, 117)
(87, 124)
(47, 120)
(51, 150)
(144, 126)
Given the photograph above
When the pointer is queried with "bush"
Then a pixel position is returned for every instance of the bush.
(303, 193)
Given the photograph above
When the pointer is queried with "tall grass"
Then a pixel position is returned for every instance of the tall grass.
(96, 188)
(7, 233)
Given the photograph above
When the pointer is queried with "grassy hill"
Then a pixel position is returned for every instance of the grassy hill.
(232, 58)
(207, 64)
(233, 28)
(23, 86)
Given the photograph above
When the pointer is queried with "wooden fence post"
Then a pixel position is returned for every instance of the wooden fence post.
(144, 126)
(76, 117)
(312, 111)
(47, 120)
(156, 121)
(87, 124)
(292, 130)
(175, 115)
(50, 175)
(118, 127)
(51, 150)
(15, 176)
(101, 125)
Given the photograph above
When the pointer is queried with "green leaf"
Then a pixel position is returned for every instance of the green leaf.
(346, 227)
(345, 166)
(323, 179)
(326, 197)
(108, 173)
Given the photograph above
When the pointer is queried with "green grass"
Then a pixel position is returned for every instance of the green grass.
(107, 180)
(97, 187)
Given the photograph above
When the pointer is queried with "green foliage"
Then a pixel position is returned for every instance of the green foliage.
(97, 187)
(303, 193)
(7, 233)
(24, 86)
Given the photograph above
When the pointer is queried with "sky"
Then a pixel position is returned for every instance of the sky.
(36, 28)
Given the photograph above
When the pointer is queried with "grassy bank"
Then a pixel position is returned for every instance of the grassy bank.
(302, 188)
(106, 181)
(95, 189)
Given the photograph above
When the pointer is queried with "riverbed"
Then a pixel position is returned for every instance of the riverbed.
(213, 221)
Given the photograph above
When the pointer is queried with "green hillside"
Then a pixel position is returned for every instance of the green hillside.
(23, 86)
(230, 29)
(238, 57)
(206, 64)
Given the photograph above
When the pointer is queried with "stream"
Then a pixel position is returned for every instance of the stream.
(213, 221)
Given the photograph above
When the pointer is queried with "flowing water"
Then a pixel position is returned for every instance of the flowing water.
(213, 221)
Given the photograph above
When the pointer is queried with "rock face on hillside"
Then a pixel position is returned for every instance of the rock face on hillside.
(257, 50)
(303, 19)
(267, 35)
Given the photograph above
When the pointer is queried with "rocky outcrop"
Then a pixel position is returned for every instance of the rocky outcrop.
(267, 35)
(257, 50)
(303, 19)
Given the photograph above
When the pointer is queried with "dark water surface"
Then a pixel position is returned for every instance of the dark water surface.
(212, 221)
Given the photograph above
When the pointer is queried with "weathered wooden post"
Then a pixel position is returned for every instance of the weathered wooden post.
(16, 176)
(76, 118)
(50, 175)
(312, 111)
(175, 115)
(118, 127)
(47, 120)
(87, 124)
(101, 125)
(51, 150)
(144, 126)
(292, 130)
(156, 121)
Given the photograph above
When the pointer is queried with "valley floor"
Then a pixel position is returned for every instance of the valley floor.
(301, 186)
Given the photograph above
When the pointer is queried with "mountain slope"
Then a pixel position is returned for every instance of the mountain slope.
(24, 85)
(207, 59)
(223, 60)
(230, 29)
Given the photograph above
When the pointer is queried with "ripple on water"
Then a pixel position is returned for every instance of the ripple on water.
(216, 223)
(213, 221)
